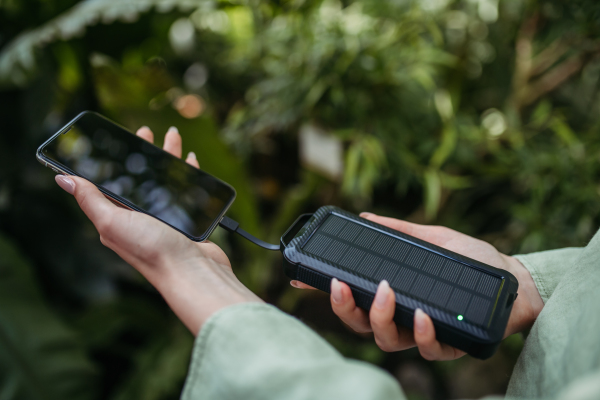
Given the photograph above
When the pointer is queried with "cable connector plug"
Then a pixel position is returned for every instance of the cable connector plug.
(233, 226)
(228, 224)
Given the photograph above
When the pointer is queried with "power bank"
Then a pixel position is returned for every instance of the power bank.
(469, 301)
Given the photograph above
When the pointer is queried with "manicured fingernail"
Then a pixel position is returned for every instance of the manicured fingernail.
(294, 284)
(66, 183)
(419, 320)
(336, 291)
(382, 294)
(366, 214)
(191, 155)
(174, 128)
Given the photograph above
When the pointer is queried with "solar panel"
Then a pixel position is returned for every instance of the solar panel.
(418, 273)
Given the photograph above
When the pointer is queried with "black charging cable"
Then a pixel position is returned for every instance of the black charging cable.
(233, 226)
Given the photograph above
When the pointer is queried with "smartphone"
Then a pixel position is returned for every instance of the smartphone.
(138, 175)
(468, 301)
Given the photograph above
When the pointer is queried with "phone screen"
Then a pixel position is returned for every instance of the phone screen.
(144, 175)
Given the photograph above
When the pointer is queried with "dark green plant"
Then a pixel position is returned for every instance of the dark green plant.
(40, 358)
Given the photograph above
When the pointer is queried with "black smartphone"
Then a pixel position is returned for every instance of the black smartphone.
(138, 175)
(469, 301)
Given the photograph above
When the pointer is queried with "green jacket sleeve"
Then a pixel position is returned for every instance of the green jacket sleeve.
(254, 351)
(548, 267)
(586, 387)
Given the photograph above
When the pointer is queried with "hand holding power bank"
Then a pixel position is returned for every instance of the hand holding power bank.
(469, 302)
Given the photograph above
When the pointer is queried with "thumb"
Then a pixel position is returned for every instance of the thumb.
(92, 202)
(416, 230)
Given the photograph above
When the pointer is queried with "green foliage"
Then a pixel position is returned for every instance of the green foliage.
(474, 114)
(365, 162)
(40, 358)
(160, 368)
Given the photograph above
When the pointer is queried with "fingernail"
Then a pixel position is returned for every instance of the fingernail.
(66, 183)
(144, 127)
(191, 155)
(294, 284)
(336, 291)
(174, 128)
(382, 294)
(419, 320)
(366, 214)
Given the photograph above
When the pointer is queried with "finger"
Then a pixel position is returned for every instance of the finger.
(397, 224)
(173, 142)
(301, 285)
(192, 160)
(92, 202)
(145, 133)
(428, 345)
(345, 308)
(381, 315)
(423, 232)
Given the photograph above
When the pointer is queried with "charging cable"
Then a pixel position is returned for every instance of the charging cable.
(233, 226)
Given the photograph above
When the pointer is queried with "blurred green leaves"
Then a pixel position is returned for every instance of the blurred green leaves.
(40, 358)
(365, 166)
(160, 368)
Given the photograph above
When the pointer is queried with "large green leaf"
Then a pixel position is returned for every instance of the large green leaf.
(40, 358)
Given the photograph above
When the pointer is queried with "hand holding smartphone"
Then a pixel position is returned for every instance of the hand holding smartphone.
(194, 278)
(138, 175)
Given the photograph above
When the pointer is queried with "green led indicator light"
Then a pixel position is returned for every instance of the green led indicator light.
(459, 317)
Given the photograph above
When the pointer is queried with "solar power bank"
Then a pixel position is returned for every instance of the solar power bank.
(468, 301)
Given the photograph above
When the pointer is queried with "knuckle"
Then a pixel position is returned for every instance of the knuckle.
(344, 316)
(377, 322)
(427, 355)
(428, 351)
(424, 342)
(82, 198)
(104, 225)
(104, 241)
(384, 345)
(379, 319)
(361, 328)
(344, 308)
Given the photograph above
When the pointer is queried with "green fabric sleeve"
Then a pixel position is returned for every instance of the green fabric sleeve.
(584, 388)
(254, 351)
(548, 267)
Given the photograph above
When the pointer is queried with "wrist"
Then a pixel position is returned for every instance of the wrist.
(528, 304)
(197, 287)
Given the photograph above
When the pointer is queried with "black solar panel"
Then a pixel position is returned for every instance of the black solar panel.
(415, 272)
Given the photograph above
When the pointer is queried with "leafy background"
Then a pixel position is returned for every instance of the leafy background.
(481, 115)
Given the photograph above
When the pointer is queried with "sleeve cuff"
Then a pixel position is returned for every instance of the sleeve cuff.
(548, 267)
(255, 351)
(537, 276)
